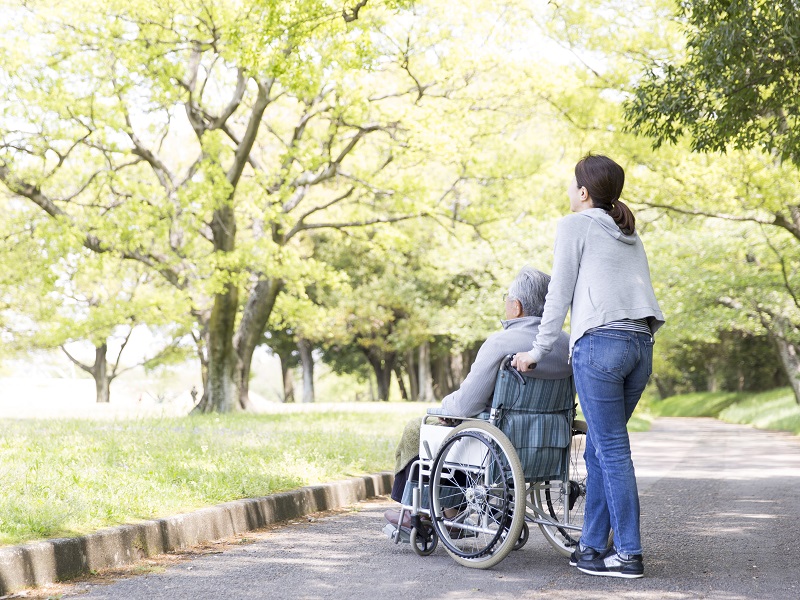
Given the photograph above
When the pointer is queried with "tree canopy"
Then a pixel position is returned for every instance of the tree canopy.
(363, 178)
(736, 85)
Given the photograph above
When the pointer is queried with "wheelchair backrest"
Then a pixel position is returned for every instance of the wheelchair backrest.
(536, 415)
(515, 391)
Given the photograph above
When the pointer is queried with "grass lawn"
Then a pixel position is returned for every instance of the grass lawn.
(69, 477)
(699, 404)
(774, 409)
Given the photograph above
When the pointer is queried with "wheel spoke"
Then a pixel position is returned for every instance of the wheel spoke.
(475, 483)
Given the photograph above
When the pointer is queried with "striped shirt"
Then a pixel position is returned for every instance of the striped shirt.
(635, 325)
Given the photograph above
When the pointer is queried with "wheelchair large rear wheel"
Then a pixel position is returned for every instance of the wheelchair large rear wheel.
(477, 482)
(564, 501)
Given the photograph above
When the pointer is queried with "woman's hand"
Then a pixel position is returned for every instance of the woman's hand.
(522, 362)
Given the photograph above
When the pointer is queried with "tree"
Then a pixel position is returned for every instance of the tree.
(735, 87)
(737, 83)
(207, 143)
(90, 300)
(90, 135)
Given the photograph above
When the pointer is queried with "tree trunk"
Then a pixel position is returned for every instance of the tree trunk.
(665, 389)
(398, 372)
(412, 370)
(790, 358)
(741, 379)
(425, 380)
(221, 391)
(251, 332)
(287, 378)
(384, 378)
(102, 382)
(383, 365)
(307, 362)
(200, 342)
(98, 371)
(712, 384)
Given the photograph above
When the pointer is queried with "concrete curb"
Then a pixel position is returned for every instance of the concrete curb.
(39, 563)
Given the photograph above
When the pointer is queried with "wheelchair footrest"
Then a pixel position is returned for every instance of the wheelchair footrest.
(393, 532)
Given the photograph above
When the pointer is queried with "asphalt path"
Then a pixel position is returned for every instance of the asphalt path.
(720, 515)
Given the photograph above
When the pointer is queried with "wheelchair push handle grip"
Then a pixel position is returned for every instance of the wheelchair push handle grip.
(506, 364)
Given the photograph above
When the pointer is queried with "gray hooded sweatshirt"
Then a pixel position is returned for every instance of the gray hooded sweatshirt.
(601, 274)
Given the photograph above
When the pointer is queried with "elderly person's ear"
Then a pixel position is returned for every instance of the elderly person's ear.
(513, 308)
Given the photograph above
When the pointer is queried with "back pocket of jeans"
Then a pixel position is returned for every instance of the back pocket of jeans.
(608, 351)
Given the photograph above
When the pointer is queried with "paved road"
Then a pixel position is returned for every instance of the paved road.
(721, 515)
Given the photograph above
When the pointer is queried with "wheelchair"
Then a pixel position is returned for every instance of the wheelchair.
(479, 486)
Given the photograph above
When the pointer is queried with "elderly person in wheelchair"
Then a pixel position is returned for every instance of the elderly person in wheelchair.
(524, 304)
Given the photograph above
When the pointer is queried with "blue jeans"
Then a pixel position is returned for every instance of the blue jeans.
(611, 370)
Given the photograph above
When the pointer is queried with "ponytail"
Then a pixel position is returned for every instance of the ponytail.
(604, 179)
(623, 217)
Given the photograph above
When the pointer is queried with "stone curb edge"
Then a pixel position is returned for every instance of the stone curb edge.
(39, 563)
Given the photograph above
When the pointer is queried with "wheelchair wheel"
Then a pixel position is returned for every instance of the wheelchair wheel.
(424, 540)
(565, 501)
(476, 483)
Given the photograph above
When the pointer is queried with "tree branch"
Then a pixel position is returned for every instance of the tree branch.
(89, 370)
(161, 171)
(236, 100)
(784, 272)
(90, 241)
(778, 221)
(347, 224)
(119, 355)
(353, 15)
(299, 225)
(243, 150)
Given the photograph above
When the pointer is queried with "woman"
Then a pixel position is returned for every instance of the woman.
(600, 274)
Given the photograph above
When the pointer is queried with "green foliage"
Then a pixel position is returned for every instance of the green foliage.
(736, 85)
(211, 163)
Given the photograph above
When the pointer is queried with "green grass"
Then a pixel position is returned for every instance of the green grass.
(69, 477)
(700, 404)
(775, 409)
(640, 421)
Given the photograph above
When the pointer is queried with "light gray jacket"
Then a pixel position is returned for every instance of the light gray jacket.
(475, 393)
(601, 274)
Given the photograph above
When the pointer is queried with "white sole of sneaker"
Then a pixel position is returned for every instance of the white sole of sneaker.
(611, 574)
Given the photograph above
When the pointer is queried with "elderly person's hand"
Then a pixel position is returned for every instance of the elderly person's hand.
(522, 362)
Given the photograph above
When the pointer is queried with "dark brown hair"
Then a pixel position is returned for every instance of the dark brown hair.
(603, 180)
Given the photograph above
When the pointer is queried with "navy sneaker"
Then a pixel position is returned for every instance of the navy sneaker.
(613, 564)
(584, 553)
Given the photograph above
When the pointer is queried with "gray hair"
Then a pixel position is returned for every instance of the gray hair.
(530, 288)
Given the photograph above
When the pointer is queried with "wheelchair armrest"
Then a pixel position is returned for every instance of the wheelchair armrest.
(438, 412)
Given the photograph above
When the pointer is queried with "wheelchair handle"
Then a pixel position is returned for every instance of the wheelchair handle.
(506, 364)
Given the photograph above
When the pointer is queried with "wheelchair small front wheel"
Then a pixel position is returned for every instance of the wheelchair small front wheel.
(424, 541)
